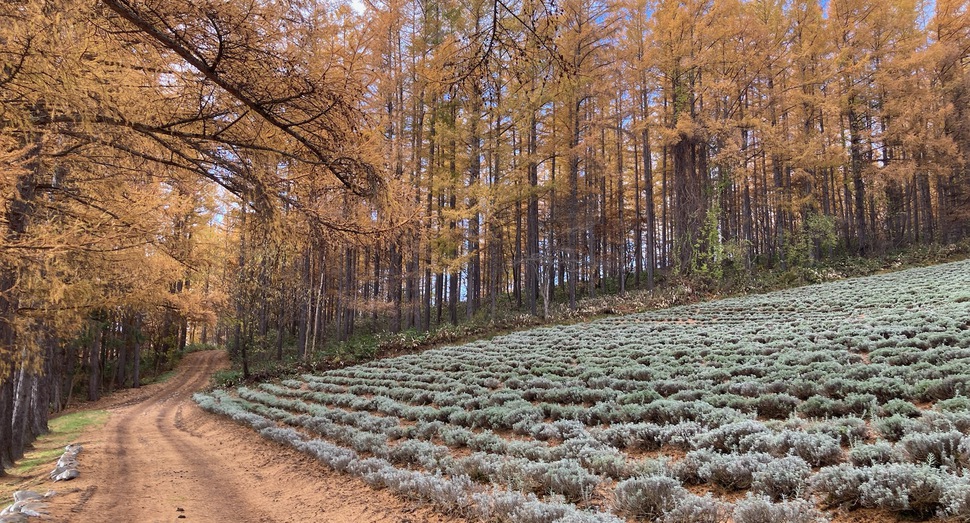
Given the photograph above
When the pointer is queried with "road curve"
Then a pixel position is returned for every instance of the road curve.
(160, 458)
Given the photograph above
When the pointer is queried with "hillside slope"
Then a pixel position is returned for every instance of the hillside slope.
(844, 394)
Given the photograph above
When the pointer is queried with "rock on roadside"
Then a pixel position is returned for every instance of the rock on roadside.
(66, 468)
(26, 503)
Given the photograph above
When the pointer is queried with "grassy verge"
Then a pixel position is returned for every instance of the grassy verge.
(30, 472)
(161, 378)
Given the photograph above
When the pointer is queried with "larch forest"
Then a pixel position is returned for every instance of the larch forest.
(277, 177)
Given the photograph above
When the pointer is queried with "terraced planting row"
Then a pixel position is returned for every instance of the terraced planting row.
(792, 406)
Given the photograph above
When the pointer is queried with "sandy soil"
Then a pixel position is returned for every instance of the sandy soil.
(161, 458)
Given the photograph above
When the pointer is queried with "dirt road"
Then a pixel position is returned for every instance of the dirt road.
(161, 458)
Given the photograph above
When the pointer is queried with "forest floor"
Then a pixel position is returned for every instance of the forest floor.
(160, 457)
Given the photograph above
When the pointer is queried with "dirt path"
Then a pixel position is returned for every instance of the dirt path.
(161, 458)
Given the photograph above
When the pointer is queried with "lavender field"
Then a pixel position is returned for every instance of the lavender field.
(797, 406)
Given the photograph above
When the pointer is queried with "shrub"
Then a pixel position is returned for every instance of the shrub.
(777, 406)
(758, 509)
(479, 466)
(817, 449)
(938, 449)
(456, 436)
(733, 401)
(768, 442)
(534, 511)
(860, 404)
(935, 421)
(665, 412)
(607, 463)
(681, 435)
(956, 404)
(867, 455)
(727, 438)
(838, 387)
(886, 390)
(545, 432)
(450, 494)
(576, 516)
(960, 420)
(900, 407)
(426, 430)
(734, 471)
(688, 469)
(781, 479)
(424, 453)
(943, 389)
(803, 389)
(640, 397)
(635, 436)
(846, 430)
(821, 407)
(516, 507)
(955, 503)
(365, 467)
(839, 485)
(696, 509)
(487, 441)
(895, 427)
(517, 473)
(963, 451)
(569, 478)
(903, 487)
(286, 436)
(369, 442)
(648, 497)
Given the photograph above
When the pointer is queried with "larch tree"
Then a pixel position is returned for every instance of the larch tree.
(279, 177)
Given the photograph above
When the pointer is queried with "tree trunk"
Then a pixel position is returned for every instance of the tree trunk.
(17, 216)
(21, 406)
(858, 185)
(241, 348)
(621, 236)
(6, 422)
(637, 218)
(473, 289)
(532, 220)
(651, 257)
(136, 362)
(124, 338)
(572, 203)
(305, 306)
(94, 361)
(395, 288)
(40, 396)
